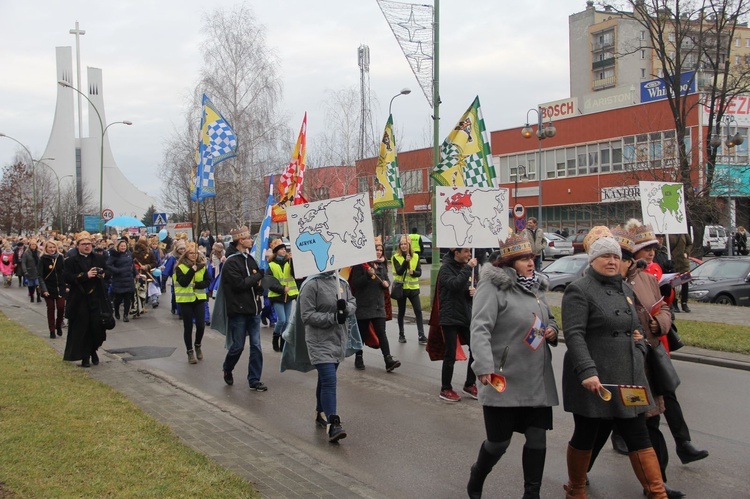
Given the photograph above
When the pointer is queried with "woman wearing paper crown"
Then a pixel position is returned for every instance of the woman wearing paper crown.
(282, 288)
(512, 328)
(653, 313)
(191, 281)
(601, 335)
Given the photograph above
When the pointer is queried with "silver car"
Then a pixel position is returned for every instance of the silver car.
(557, 246)
(565, 270)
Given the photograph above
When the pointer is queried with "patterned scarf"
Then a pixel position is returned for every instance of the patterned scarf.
(527, 282)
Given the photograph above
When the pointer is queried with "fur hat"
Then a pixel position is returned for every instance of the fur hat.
(625, 240)
(515, 247)
(83, 235)
(239, 233)
(643, 235)
(276, 245)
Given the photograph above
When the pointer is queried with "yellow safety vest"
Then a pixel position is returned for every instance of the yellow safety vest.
(285, 278)
(414, 238)
(189, 294)
(410, 282)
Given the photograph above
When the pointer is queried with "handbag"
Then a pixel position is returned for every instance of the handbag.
(673, 339)
(664, 377)
(397, 290)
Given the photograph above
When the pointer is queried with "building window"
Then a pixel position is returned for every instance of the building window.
(363, 184)
(604, 157)
(570, 160)
(643, 72)
(670, 37)
(737, 60)
(411, 181)
(737, 42)
(582, 160)
(660, 73)
(643, 54)
(561, 169)
(616, 156)
(643, 35)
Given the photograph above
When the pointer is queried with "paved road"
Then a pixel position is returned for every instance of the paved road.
(403, 441)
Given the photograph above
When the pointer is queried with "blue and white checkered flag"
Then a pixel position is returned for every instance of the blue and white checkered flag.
(217, 143)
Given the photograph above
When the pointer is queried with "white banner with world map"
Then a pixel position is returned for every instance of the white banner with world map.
(331, 234)
(663, 207)
(471, 217)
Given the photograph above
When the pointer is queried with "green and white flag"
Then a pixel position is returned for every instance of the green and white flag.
(465, 156)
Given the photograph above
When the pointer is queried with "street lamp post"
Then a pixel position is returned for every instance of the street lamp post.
(542, 132)
(33, 173)
(732, 140)
(404, 91)
(518, 173)
(59, 197)
(101, 156)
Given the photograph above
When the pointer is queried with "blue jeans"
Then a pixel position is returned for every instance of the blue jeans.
(283, 313)
(325, 392)
(241, 326)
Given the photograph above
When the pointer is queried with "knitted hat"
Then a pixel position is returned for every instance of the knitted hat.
(604, 246)
(239, 233)
(82, 235)
(276, 245)
(625, 239)
(515, 247)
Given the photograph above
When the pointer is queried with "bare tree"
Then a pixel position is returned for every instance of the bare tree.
(240, 74)
(694, 35)
(17, 215)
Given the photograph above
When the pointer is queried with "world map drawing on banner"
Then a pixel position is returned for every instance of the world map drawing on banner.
(663, 207)
(331, 234)
(471, 217)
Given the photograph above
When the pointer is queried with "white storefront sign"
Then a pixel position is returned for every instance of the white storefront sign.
(617, 194)
(560, 109)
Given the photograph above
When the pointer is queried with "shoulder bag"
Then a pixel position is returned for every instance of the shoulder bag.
(397, 290)
(664, 377)
(674, 340)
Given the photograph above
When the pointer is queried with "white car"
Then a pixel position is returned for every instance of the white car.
(715, 240)
(557, 246)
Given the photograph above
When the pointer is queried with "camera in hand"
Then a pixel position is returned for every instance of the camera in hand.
(99, 271)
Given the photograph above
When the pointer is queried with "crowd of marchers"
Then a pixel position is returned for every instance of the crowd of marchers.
(614, 318)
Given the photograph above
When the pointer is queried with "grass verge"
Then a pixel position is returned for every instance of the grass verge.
(64, 434)
(709, 335)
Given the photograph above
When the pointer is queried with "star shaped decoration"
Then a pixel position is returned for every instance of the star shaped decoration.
(418, 56)
(411, 25)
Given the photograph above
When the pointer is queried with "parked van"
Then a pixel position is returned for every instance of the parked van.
(715, 240)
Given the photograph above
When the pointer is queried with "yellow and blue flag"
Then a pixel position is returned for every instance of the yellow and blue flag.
(217, 143)
(387, 193)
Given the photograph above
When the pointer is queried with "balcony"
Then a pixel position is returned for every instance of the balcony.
(608, 82)
(597, 46)
(603, 64)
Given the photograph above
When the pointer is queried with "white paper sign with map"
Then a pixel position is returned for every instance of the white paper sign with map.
(663, 207)
(471, 217)
(331, 234)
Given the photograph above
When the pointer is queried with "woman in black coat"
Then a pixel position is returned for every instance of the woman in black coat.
(84, 275)
(122, 272)
(52, 286)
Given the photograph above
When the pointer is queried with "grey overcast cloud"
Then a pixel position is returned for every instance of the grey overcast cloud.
(513, 54)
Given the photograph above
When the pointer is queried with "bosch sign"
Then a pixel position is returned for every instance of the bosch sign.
(559, 109)
(654, 90)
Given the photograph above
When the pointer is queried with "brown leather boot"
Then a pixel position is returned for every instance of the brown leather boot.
(646, 467)
(578, 464)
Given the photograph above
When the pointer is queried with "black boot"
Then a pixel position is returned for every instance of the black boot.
(674, 308)
(685, 308)
(533, 469)
(85, 362)
(94, 358)
(391, 363)
(52, 334)
(276, 347)
(688, 453)
(480, 470)
(335, 431)
(359, 362)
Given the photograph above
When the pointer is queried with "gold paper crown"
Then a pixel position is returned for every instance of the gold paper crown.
(276, 243)
(624, 238)
(596, 233)
(643, 236)
(515, 247)
(239, 233)
(83, 235)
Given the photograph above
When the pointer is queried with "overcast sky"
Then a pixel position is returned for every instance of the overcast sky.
(513, 54)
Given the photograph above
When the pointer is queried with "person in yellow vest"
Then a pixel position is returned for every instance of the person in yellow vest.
(190, 293)
(416, 242)
(407, 269)
(282, 289)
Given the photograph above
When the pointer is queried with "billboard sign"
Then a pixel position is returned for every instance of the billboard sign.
(654, 90)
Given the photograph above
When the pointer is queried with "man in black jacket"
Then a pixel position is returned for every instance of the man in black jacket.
(456, 285)
(241, 284)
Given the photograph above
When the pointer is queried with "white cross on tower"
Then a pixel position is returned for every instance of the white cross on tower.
(78, 32)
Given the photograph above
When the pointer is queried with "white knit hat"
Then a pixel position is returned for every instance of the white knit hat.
(604, 246)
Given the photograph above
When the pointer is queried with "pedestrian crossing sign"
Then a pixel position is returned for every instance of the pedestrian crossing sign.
(160, 219)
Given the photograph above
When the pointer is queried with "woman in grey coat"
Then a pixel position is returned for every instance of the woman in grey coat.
(325, 302)
(512, 328)
(30, 265)
(605, 345)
